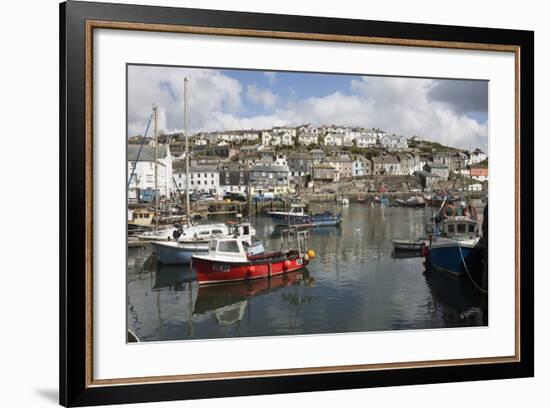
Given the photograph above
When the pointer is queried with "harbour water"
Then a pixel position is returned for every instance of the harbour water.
(355, 283)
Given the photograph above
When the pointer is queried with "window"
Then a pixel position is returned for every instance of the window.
(461, 228)
(451, 228)
(228, 246)
(471, 228)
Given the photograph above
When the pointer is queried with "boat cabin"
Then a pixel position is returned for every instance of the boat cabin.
(243, 229)
(297, 209)
(460, 228)
(235, 249)
(140, 216)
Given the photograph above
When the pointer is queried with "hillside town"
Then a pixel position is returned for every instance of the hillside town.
(286, 159)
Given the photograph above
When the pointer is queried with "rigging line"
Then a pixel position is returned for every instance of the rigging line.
(140, 148)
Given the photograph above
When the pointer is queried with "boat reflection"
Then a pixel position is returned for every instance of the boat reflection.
(220, 296)
(406, 254)
(327, 230)
(225, 302)
(459, 295)
(173, 277)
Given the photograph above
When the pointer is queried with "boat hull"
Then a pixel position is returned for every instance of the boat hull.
(172, 253)
(294, 220)
(217, 271)
(453, 258)
(408, 245)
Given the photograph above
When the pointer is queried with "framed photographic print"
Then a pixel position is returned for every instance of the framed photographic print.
(256, 203)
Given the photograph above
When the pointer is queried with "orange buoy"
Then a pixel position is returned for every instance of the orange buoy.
(287, 264)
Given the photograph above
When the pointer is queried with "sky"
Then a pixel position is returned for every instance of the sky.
(449, 111)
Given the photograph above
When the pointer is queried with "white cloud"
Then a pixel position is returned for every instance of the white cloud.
(260, 96)
(397, 105)
(271, 76)
(209, 91)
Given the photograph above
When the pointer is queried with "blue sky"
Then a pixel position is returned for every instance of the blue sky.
(222, 99)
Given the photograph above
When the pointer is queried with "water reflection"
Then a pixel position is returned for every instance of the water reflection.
(356, 283)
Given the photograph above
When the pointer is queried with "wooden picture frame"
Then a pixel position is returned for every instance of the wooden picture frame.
(77, 22)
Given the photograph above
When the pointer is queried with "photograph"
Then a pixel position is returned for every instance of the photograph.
(284, 203)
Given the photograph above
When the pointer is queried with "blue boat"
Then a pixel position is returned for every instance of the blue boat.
(455, 248)
(297, 217)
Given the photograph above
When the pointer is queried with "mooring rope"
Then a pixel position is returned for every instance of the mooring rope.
(468, 272)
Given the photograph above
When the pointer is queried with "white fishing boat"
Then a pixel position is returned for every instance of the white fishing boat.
(196, 240)
(409, 245)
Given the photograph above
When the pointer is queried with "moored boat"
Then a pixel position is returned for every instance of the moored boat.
(180, 250)
(235, 259)
(295, 217)
(409, 245)
(412, 202)
(455, 248)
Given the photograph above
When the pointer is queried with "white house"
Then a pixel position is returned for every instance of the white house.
(333, 139)
(477, 156)
(394, 142)
(307, 139)
(287, 138)
(266, 138)
(280, 160)
(251, 135)
(141, 169)
(308, 129)
(284, 129)
(366, 140)
(204, 179)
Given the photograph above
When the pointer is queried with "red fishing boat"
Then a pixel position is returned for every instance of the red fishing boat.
(236, 259)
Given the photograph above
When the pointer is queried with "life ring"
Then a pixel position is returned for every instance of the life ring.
(444, 211)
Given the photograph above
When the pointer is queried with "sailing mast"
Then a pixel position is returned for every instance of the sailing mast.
(156, 169)
(187, 215)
